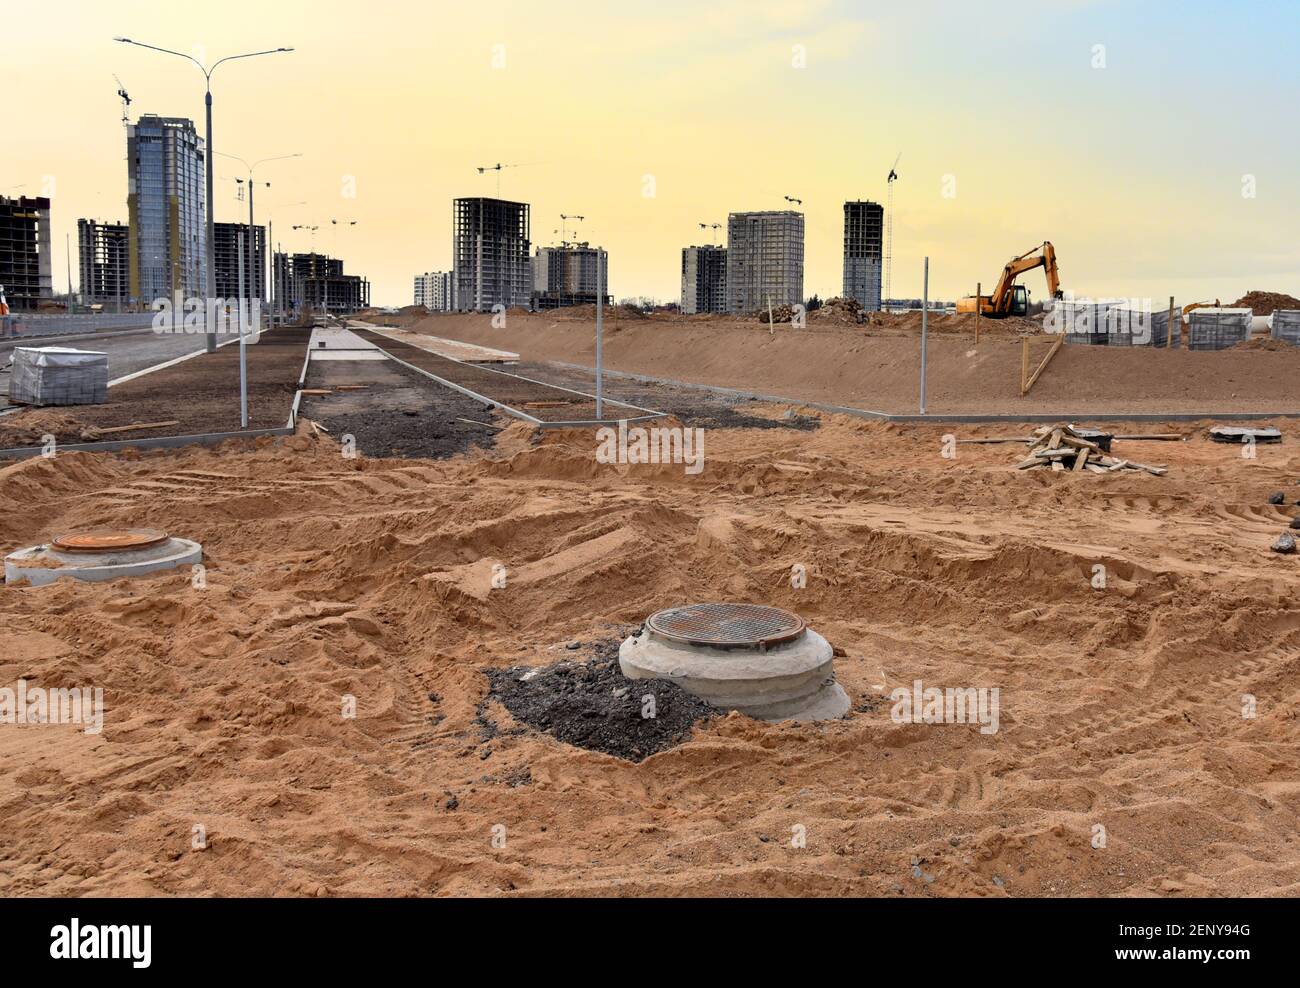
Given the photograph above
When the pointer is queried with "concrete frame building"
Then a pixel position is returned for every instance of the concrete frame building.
(230, 256)
(704, 279)
(315, 281)
(764, 260)
(103, 250)
(166, 208)
(433, 290)
(25, 270)
(489, 250)
(864, 224)
(568, 275)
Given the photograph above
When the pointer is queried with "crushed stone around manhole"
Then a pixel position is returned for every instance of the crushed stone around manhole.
(593, 705)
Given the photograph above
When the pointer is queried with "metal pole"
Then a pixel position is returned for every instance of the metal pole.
(210, 282)
(925, 326)
(243, 354)
(600, 326)
(252, 246)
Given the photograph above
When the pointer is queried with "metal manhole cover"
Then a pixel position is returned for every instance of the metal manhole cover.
(106, 540)
(726, 625)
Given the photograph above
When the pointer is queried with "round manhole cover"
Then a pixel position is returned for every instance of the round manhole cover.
(726, 625)
(110, 540)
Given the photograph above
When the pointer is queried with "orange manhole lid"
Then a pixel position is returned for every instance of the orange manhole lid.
(110, 540)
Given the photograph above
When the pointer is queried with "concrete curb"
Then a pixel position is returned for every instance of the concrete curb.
(516, 413)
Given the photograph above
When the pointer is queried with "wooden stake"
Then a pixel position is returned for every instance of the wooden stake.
(1169, 337)
(977, 313)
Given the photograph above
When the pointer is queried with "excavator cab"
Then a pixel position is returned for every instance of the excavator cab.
(1019, 301)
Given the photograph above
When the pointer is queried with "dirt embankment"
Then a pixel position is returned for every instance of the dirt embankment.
(878, 368)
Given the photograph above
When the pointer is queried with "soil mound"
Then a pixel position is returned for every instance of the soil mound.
(593, 705)
(1266, 303)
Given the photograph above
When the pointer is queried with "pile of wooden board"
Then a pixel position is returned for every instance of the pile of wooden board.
(1062, 447)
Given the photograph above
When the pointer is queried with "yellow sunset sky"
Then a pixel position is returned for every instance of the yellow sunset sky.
(1125, 133)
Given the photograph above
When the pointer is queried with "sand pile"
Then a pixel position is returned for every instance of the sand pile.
(1266, 303)
(1011, 326)
(30, 427)
(226, 705)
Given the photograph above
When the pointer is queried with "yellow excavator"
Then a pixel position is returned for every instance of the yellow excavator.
(1008, 298)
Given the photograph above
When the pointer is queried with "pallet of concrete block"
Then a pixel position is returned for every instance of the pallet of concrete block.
(1064, 447)
(1132, 323)
(1286, 326)
(1217, 329)
(56, 375)
(1083, 321)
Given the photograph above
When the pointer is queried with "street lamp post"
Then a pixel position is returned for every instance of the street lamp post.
(252, 282)
(210, 281)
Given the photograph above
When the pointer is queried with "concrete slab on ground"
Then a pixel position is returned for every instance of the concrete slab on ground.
(469, 352)
(335, 338)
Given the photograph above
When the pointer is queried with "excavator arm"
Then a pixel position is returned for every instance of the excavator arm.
(1043, 256)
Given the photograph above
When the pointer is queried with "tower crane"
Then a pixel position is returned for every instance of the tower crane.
(889, 232)
(484, 169)
(126, 101)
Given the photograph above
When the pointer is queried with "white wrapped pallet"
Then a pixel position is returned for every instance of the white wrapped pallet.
(1134, 324)
(1218, 328)
(1286, 325)
(58, 376)
(1082, 320)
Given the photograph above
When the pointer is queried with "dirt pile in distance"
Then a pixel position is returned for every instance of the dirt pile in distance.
(1266, 303)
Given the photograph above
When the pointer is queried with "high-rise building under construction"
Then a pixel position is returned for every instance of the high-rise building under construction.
(864, 223)
(165, 200)
(764, 260)
(704, 279)
(490, 262)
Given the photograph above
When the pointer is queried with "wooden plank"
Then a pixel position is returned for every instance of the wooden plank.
(1060, 341)
(133, 428)
(1081, 460)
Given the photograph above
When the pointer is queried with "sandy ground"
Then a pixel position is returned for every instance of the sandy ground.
(877, 367)
(329, 577)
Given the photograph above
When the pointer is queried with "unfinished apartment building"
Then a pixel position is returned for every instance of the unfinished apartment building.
(103, 252)
(704, 279)
(25, 251)
(316, 283)
(489, 250)
(864, 223)
(569, 275)
(230, 249)
(764, 260)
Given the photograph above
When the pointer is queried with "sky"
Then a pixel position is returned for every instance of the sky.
(1152, 141)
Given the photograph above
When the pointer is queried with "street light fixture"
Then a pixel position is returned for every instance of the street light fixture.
(210, 281)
